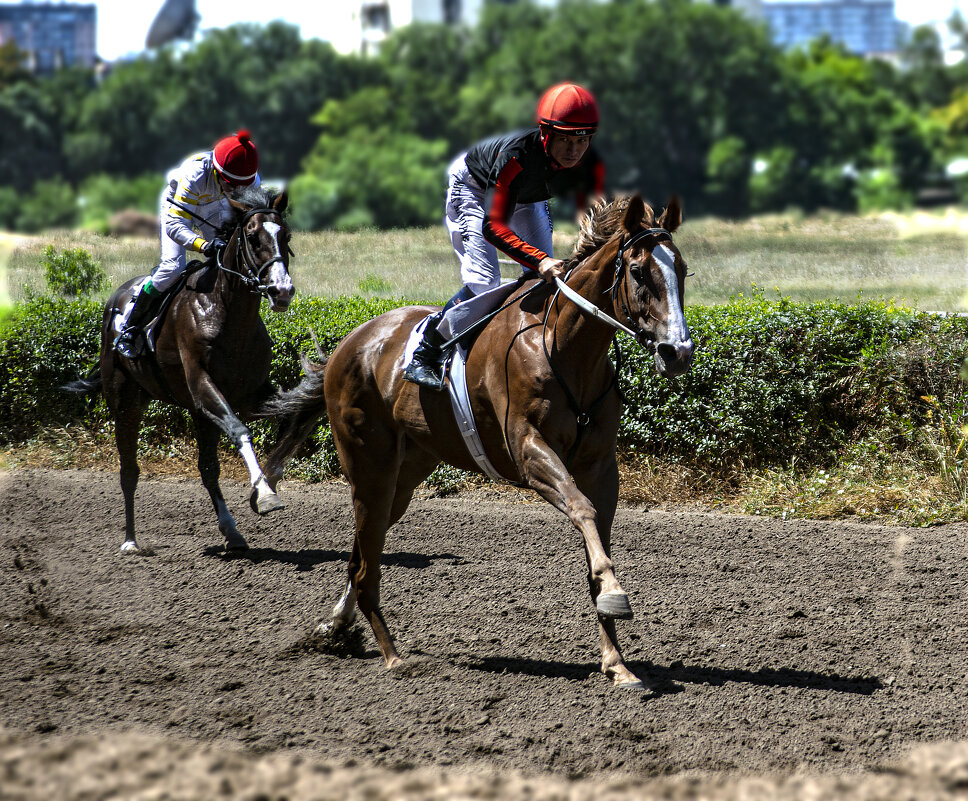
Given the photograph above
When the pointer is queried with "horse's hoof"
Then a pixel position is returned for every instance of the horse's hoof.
(636, 684)
(129, 546)
(235, 543)
(614, 605)
(269, 503)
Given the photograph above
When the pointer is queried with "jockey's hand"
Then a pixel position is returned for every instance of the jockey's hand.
(549, 269)
(213, 247)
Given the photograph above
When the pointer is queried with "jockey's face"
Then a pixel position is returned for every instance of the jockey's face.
(567, 150)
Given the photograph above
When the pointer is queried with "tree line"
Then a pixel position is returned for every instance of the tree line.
(695, 99)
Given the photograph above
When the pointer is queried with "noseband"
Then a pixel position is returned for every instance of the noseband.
(251, 277)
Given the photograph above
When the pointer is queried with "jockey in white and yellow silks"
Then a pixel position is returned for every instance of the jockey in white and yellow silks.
(193, 208)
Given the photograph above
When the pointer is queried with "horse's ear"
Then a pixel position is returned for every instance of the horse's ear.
(672, 216)
(634, 214)
(240, 208)
(281, 201)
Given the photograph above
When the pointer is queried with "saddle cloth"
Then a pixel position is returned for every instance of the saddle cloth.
(455, 321)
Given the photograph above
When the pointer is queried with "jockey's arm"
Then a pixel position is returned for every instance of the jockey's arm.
(186, 201)
(500, 201)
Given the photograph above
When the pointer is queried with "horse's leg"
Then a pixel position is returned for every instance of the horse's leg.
(126, 403)
(548, 476)
(409, 478)
(210, 402)
(207, 434)
(601, 488)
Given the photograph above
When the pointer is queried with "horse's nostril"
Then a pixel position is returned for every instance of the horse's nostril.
(666, 351)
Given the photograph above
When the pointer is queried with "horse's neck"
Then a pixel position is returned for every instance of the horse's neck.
(239, 303)
(576, 329)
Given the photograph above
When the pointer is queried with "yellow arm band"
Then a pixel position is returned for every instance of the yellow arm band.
(198, 244)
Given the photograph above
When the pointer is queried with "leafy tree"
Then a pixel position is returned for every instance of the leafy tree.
(51, 204)
(424, 68)
(130, 125)
(924, 81)
(378, 171)
(102, 195)
(671, 77)
(29, 135)
(12, 68)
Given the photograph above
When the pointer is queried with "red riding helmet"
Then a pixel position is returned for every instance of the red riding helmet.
(236, 158)
(570, 109)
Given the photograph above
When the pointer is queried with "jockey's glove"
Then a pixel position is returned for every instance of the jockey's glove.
(213, 247)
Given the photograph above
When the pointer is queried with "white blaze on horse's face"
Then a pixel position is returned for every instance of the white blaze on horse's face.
(279, 282)
(673, 351)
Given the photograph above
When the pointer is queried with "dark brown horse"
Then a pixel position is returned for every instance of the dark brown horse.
(543, 395)
(212, 355)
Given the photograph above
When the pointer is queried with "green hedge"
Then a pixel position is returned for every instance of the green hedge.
(773, 382)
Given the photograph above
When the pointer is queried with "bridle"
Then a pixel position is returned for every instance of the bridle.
(252, 276)
(624, 245)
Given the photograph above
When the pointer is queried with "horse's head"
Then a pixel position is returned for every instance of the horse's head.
(262, 247)
(649, 280)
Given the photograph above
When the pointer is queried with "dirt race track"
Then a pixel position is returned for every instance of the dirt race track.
(796, 659)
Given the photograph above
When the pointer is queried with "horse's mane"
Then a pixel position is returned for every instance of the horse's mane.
(598, 224)
(255, 197)
(252, 197)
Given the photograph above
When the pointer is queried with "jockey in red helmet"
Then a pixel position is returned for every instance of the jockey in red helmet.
(497, 199)
(194, 207)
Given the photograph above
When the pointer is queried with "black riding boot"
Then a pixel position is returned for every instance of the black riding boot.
(426, 368)
(130, 342)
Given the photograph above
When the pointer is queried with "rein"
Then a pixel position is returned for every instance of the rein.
(583, 417)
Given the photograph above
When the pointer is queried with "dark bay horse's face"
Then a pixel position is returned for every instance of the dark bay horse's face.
(264, 247)
(652, 293)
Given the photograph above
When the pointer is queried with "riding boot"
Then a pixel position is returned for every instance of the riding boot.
(130, 342)
(426, 367)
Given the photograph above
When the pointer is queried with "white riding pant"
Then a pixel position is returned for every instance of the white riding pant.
(173, 258)
(464, 219)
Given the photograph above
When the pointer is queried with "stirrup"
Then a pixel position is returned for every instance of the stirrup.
(426, 375)
(130, 343)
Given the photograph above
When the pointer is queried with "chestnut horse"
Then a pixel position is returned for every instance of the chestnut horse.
(543, 394)
(212, 355)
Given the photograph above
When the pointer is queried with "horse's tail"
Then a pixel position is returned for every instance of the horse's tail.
(299, 410)
(89, 385)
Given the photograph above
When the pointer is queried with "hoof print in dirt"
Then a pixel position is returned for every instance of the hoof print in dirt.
(346, 642)
(417, 666)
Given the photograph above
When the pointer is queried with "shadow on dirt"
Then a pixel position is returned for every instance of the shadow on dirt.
(307, 559)
(667, 680)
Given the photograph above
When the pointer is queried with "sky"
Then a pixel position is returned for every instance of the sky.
(123, 24)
